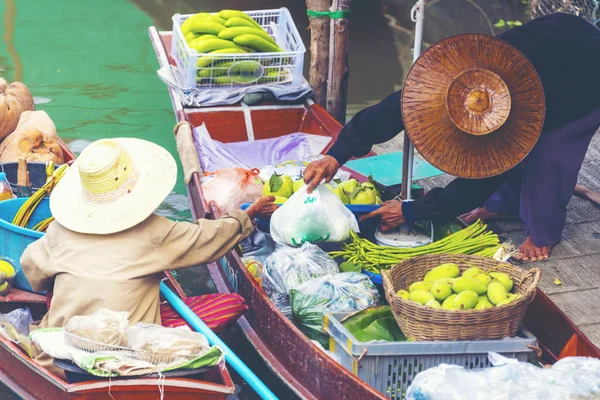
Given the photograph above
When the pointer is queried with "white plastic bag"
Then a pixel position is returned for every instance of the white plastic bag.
(103, 326)
(312, 218)
(289, 267)
(570, 378)
(231, 187)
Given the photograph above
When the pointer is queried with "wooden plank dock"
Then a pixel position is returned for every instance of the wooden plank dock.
(575, 261)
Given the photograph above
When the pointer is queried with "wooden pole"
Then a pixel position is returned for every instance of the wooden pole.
(319, 51)
(337, 82)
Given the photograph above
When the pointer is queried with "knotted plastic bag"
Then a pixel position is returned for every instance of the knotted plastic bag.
(344, 292)
(289, 267)
(231, 187)
(312, 218)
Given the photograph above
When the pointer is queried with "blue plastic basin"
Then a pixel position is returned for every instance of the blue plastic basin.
(14, 239)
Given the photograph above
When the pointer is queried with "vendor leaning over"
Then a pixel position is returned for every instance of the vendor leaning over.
(564, 50)
(108, 249)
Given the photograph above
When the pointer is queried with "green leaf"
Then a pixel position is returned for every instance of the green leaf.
(375, 323)
(275, 183)
(500, 24)
(349, 267)
(356, 191)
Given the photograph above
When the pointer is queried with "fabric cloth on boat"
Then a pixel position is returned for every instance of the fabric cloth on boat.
(219, 96)
(565, 50)
(122, 271)
(216, 310)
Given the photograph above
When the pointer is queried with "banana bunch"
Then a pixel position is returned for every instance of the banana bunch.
(229, 32)
(26, 210)
(43, 225)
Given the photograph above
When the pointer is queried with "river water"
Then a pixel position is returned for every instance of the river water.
(92, 68)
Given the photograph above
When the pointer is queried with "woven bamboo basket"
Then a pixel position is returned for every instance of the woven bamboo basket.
(425, 323)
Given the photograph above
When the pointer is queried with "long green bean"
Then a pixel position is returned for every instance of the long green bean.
(474, 239)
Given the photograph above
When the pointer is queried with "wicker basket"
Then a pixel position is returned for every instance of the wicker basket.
(425, 323)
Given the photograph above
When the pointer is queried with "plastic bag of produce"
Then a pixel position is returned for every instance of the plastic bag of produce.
(344, 292)
(231, 187)
(569, 378)
(317, 217)
(289, 267)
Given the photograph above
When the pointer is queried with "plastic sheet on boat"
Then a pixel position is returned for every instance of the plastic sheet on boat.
(289, 267)
(215, 155)
(344, 292)
(569, 378)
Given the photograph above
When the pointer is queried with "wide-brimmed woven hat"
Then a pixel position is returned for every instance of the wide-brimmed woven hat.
(113, 185)
(473, 105)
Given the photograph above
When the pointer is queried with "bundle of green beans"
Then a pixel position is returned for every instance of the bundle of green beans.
(475, 239)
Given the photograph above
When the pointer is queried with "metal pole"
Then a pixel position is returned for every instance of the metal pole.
(417, 16)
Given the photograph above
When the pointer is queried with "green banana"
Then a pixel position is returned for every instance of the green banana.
(227, 14)
(231, 33)
(205, 25)
(205, 46)
(256, 42)
(236, 21)
(206, 61)
(186, 26)
(200, 38)
(191, 36)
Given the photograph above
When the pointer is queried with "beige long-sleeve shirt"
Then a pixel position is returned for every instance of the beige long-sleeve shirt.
(122, 271)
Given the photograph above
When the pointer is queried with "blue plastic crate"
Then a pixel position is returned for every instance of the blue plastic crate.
(390, 367)
(14, 239)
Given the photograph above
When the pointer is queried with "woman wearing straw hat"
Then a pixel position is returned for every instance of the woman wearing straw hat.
(107, 248)
(511, 117)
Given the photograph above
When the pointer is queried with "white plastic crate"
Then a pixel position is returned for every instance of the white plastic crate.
(390, 367)
(269, 68)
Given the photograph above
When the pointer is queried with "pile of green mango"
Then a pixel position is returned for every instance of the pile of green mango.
(444, 287)
(349, 192)
(230, 32)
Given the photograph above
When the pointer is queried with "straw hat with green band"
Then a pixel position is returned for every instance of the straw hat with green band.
(473, 105)
(113, 185)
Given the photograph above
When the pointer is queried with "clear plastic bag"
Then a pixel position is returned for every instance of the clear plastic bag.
(104, 326)
(317, 217)
(289, 267)
(156, 339)
(231, 187)
(344, 292)
(570, 378)
(19, 319)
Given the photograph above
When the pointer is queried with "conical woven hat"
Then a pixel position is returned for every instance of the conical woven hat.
(473, 105)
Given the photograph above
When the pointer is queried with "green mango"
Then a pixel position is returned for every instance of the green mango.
(403, 293)
(433, 304)
(420, 296)
(503, 279)
(509, 299)
(472, 272)
(448, 304)
(448, 270)
(483, 304)
(462, 284)
(441, 290)
(484, 279)
(466, 300)
(426, 286)
(496, 292)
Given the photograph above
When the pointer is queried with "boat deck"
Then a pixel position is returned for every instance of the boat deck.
(575, 262)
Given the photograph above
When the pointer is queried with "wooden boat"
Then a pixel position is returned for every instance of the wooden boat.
(30, 381)
(292, 357)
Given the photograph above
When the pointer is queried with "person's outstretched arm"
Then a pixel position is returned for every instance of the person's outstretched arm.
(373, 125)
